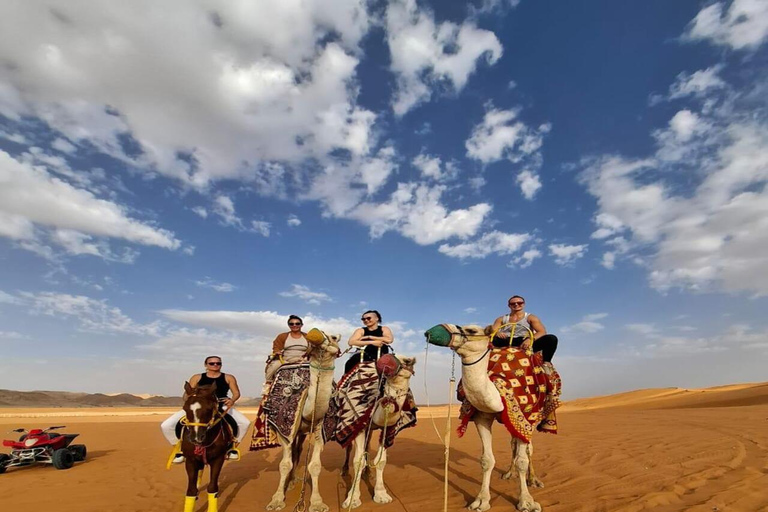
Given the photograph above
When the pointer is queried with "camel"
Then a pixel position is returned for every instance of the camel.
(472, 348)
(322, 358)
(386, 413)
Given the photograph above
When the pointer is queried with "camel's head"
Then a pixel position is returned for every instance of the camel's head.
(322, 345)
(398, 370)
(462, 339)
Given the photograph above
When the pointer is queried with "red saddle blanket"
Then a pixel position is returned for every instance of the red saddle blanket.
(528, 395)
(353, 403)
(278, 410)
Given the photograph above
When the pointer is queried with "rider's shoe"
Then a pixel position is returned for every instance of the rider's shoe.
(233, 454)
(178, 458)
(548, 368)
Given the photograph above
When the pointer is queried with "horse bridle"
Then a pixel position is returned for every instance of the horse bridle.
(216, 419)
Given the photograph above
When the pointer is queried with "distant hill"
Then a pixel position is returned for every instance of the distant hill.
(10, 398)
(734, 395)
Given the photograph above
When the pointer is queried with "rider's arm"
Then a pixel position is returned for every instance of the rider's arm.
(537, 327)
(496, 325)
(356, 340)
(278, 344)
(232, 381)
(387, 337)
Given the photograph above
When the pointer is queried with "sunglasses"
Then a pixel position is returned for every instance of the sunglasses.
(366, 318)
(214, 364)
(293, 323)
(516, 303)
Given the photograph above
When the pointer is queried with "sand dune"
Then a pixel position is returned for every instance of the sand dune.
(651, 450)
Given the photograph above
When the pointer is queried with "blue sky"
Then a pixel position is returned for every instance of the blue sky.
(177, 178)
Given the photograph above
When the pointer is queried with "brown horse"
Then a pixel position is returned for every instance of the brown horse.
(205, 439)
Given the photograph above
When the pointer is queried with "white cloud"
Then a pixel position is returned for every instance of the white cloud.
(92, 315)
(261, 227)
(64, 146)
(416, 212)
(566, 254)
(214, 285)
(12, 335)
(7, 298)
(526, 259)
(293, 221)
(304, 293)
(238, 85)
(501, 135)
(699, 83)
(470, 310)
(609, 260)
(256, 323)
(494, 242)
(428, 165)
(35, 203)
(424, 52)
(744, 25)
(588, 325)
(224, 207)
(529, 183)
(644, 329)
(200, 211)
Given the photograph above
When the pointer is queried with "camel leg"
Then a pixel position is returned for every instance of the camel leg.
(315, 466)
(380, 494)
(345, 468)
(298, 444)
(353, 496)
(484, 422)
(533, 480)
(278, 499)
(522, 462)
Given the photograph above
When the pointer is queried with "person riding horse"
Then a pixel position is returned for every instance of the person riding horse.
(224, 383)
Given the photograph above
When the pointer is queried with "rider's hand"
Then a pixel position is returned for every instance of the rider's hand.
(502, 335)
(229, 403)
(526, 345)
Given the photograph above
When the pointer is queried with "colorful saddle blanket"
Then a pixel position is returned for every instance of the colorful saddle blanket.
(279, 409)
(351, 407)
(529, 396)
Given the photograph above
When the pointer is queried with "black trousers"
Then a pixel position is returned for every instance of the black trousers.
(547, 345)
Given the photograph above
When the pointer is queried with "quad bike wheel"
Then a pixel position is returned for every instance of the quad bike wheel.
(4, 458)
(79, 451)
(63, 458)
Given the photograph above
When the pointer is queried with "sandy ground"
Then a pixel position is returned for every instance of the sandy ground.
(647, 450)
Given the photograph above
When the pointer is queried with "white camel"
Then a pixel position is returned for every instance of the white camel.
(322, 358)
(473, 349)
(386, 414)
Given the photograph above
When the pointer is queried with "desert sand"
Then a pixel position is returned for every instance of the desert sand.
(663, 450)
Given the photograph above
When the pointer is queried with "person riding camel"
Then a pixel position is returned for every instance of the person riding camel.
(374, 339)
(287, 347)
(524, 324)
(225, 383)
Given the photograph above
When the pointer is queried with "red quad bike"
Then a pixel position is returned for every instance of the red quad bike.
(43, 446)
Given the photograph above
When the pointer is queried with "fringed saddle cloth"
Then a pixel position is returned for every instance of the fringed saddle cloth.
(353, 403)
(529, 396)
(279, 409)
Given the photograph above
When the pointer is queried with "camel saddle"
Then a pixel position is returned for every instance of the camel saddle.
(279, 409)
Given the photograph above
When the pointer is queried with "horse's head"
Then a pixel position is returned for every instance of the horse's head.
(323, 346)
(201, 411)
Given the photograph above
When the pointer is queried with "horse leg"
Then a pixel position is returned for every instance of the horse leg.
(189, 501)
(532, 480)
(380, 494)
(213, 485)
(286, 464)
(522, 462)
(484, 422)
(353, 496)
(315, 466)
